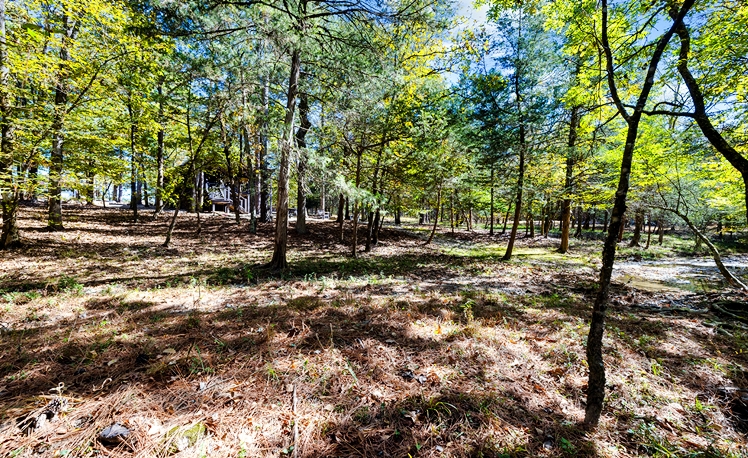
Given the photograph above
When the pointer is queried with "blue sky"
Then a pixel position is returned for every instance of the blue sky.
(465, 8)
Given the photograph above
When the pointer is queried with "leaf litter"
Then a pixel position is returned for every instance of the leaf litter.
(407, 351)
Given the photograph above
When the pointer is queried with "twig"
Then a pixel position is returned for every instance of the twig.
(295, 426)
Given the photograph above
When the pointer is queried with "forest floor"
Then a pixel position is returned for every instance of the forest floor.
(438, 351)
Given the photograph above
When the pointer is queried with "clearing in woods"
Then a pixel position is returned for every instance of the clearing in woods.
(407, 351)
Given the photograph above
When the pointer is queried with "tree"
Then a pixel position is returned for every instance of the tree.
(596, 384)
(699, 113)
(516, 99)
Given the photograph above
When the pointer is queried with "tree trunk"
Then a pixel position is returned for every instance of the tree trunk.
(638, 225)
(622, 228)
(568, 181)
(518, 201)
(171, 226)
(436, 216)
(199, 191)
(341, 219)
(279, 261)
(159, 204)
(232, 174)
(322, 195)
(103, 194)
(356, 206)
(660, 231)
(54, 222)
(134, 194)
(701, 117)
(649, 232)
(378, 221)
(90, 185)
(594, 219)
(506, 218)
(265, 200)
(596, 382)
(10, 237)
(301, 168)
(531, 222)
(452, 211)
(578, 218)
(605, 221)
(490, 232)
(370, 224)
(369, 229)
(255, 171)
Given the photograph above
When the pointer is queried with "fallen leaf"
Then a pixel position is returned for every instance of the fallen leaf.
(412, 414)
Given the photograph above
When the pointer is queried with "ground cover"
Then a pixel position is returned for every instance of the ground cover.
(407, 351)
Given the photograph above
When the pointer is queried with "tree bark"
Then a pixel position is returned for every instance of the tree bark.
(649, 232)
(279, 261)
(518, 200)
(54, 221)
(159, 204)
(134, 194)
(595, 363)
(370, 228)
(531, 222)
(171, 226)
(232, 174)
(661, 230)
(605, 221)
(378, 220)
(568, 180)
(265, 212)
(10, 237)
(356, 206)
(341, 219)
(521, 172)
(90, 185)
(452, 211)
(490, 232)
(9, 194)
(301, 168)
(506, 218)
(436, 217)
(638, 225)
(700, 115)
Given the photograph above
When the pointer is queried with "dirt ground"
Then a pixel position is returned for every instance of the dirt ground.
(438, 351)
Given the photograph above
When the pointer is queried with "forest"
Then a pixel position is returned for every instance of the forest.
(402, 228)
